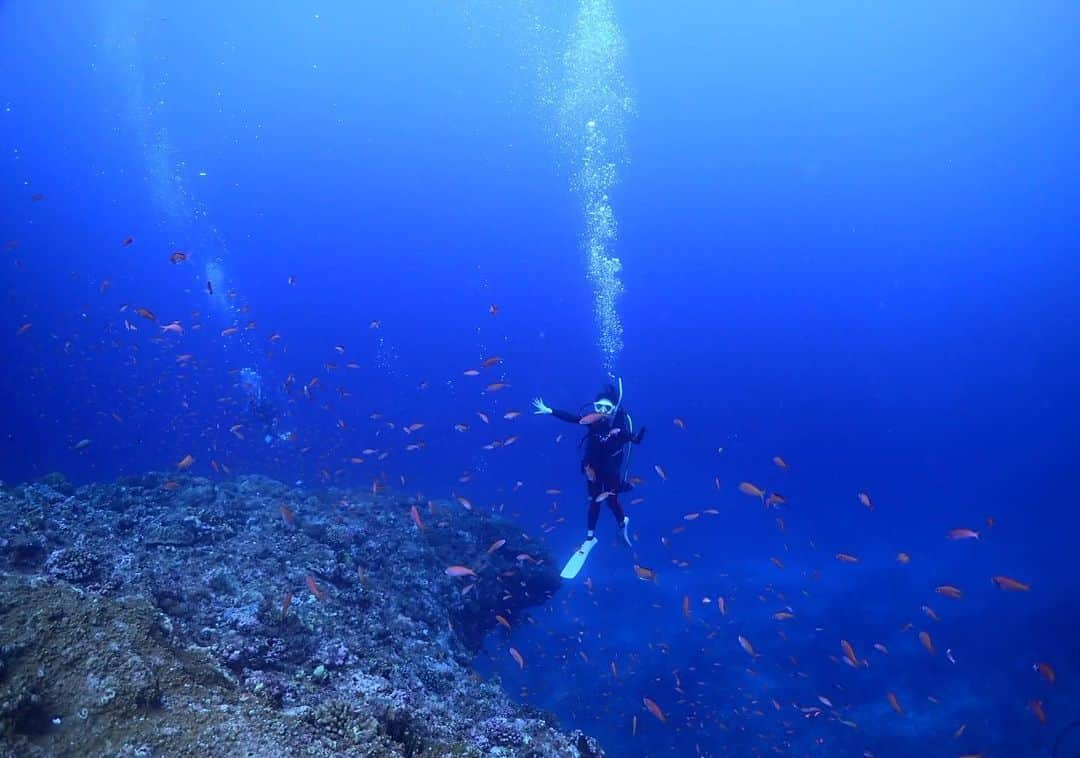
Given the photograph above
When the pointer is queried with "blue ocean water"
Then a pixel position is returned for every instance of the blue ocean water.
(847, 238)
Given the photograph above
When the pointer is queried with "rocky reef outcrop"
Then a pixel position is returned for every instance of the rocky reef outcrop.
(181, 616)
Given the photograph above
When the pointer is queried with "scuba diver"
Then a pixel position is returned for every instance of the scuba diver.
(610, 431)
(262, 413)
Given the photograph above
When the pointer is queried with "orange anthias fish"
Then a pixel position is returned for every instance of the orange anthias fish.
(285, 605)
(311, 585)
(846, 558)
(750, 489)
(645, 574)
(924, 638)
(287, 515)
(949, 591)
(495, 546)
(864, 498)
(146, 313)
(962, 534)
(415, 513)
(894, 702)
(1046, 671)
(780, 462)
(745, 645)
(178, 257)
(660, 472)
(497, 386)
(679, 423)
(459, 571)
(1009, 584)
(686, 607)
(849, 654)
(517, 657)
(590, 418)
(654, 709)
(1036, 707)
(185, 462)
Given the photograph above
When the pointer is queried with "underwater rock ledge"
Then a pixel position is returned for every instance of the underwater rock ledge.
(182, 616)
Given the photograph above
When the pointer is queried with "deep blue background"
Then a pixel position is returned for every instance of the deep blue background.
(849, 239)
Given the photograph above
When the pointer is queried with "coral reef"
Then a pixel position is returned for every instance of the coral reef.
(182, 616)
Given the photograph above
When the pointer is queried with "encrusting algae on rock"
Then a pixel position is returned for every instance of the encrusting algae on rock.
(140, 619)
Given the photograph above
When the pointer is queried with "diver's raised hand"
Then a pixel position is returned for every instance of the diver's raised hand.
(540, 406)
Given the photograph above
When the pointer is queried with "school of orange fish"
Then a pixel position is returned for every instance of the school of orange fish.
(657, 702)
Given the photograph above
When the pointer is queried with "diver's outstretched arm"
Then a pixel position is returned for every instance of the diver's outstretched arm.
(544, 409)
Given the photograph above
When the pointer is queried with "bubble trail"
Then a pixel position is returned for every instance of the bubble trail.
(593, 112)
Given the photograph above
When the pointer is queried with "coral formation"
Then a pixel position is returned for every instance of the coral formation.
(181, 616)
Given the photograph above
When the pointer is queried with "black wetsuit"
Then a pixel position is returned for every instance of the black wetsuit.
(605, 444)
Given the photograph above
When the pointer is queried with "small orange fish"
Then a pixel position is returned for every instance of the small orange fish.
(1046, 671)
(645, 574)
(750, 489)
(846, 558)
(25, 328)
(679, 423)
(517, 657)
(864, 498)
(1009, 584)
(170, 485)
(849, 654)
(881, 648)
(903, 558)
(185, 462)
(660, 472)
(783, 616)
(590, 473)
(780, 462)
(1036, 707)
(415, 513)
(146, 313)
(501, 620)
(285, 605)
(511, 415)
(492, 361)
(497, 386)
(686, 607)
(924, 638)
(745, 645)
(692, 516)
(229, 331)
(287, 514)
(962, 534)
(894, 702)
(949, 591)
(484, 417)
(590, 418)
(459, 571)
(311, 585)
(654, 709)
(495, 546)
(471, 372)
(930, 612)
(464, 501)
(178, 257)
(493, 309)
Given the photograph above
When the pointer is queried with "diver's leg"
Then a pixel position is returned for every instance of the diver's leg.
(594, 509)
